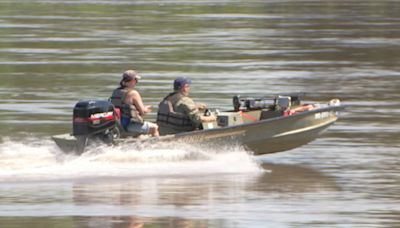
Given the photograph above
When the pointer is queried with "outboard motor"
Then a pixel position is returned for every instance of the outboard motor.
(94, 119)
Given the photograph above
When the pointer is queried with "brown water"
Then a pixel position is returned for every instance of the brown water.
(53, 53)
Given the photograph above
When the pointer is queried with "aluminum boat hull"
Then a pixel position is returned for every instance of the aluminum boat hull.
(265, 136)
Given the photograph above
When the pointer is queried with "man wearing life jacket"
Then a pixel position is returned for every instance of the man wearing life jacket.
(177, 112)
(129, 101)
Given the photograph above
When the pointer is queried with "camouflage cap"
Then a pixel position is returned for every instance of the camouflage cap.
(130, 75)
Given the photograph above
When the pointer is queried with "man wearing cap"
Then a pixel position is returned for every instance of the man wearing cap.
(177, 112)
(131, 105)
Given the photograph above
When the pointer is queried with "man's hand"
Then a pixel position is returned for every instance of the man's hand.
(201, 106)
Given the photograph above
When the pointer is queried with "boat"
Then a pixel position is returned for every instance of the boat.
(261, 125)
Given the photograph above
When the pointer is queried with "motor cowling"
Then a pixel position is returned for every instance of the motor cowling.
(92, 117)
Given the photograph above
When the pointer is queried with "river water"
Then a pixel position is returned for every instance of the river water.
(55, 52)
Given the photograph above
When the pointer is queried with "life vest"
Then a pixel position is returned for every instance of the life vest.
(128, 111)
(166, 115)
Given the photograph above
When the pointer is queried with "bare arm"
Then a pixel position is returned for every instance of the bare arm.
(134, 98)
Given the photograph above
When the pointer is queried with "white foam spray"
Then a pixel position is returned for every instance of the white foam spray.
(37, 159)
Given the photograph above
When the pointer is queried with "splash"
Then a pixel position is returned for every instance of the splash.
(40, 160)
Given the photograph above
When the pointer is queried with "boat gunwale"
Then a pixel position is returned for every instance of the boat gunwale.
(244, 125)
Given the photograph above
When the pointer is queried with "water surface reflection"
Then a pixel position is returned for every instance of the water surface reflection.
(166, 200)
(53, 53)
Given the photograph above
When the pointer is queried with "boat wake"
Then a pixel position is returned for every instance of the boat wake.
(37, 159)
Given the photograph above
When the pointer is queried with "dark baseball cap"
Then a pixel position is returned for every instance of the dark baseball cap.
(180, 82)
